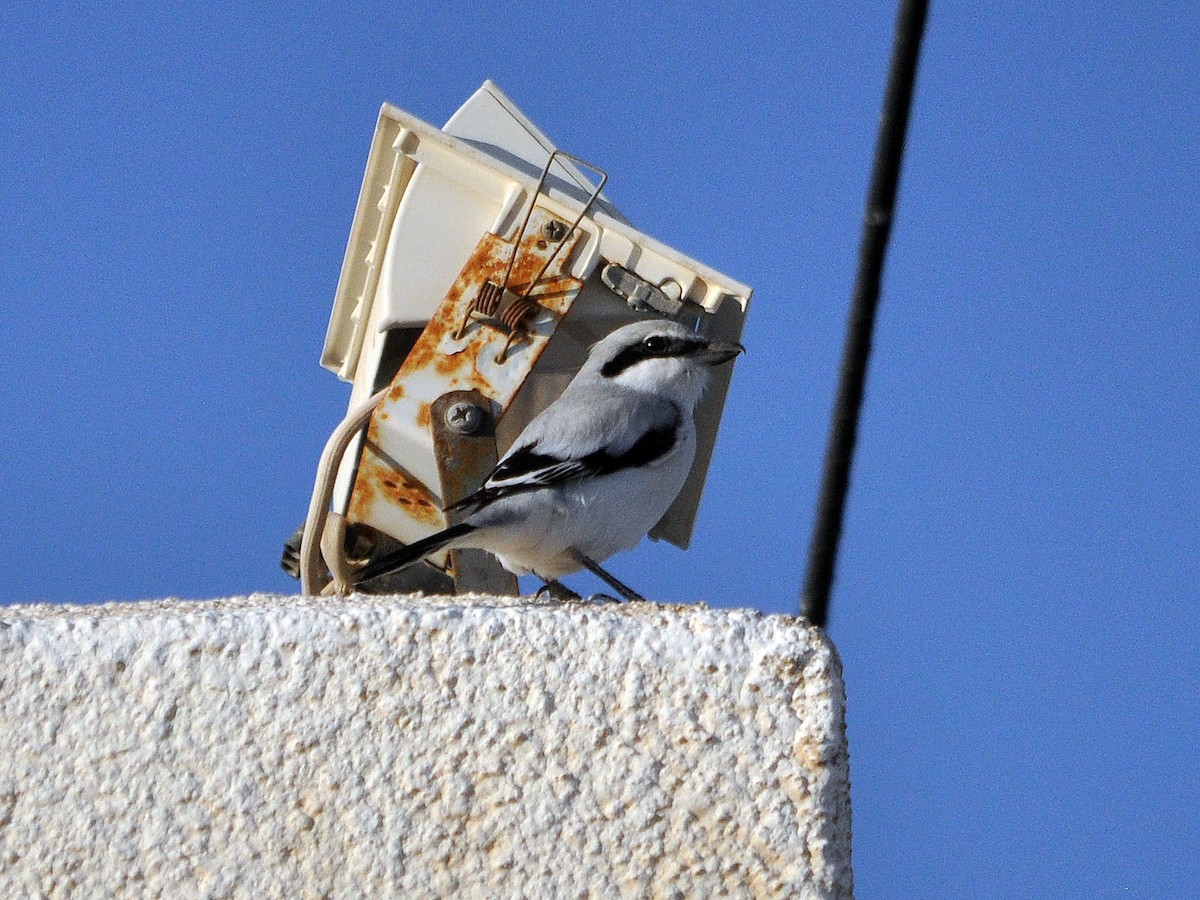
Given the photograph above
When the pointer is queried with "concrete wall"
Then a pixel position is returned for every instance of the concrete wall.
(282, 746)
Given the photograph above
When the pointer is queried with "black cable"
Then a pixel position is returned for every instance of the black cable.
(877, 226)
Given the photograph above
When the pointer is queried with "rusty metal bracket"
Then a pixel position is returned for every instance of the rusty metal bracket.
(464, 440)
(395, 489)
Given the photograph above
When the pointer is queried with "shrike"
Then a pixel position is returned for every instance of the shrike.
(594, 471)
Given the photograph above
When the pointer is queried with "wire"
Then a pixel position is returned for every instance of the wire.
(877, 226)
(312, 579)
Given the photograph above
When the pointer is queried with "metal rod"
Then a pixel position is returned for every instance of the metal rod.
(512, 257)
(583, 212)
(877, 226)
(537, 191)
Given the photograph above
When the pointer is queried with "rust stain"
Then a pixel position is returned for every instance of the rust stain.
(423, 414)
(446, 365)
(361, 500)
(488, 262)
(379, 482)
(412, 496)
(418, 358)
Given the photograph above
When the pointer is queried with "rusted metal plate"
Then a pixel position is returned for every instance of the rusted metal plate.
(381, 479)
(397, 488)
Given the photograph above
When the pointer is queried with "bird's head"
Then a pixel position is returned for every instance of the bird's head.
(659, 356)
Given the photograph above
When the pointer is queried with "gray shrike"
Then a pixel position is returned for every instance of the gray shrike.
(594, 471)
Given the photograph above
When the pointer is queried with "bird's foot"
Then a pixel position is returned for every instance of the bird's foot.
(556, 590)
(626, 592)
(603, 598)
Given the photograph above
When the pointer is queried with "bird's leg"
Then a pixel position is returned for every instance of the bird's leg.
(556, 590)
(626, 592)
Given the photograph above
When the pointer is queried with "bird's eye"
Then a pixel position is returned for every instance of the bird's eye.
(656, 344)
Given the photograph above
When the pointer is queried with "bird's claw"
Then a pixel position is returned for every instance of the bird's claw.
(556, 590)
(603, 598)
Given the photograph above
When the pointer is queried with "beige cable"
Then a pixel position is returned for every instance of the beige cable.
(312, 572)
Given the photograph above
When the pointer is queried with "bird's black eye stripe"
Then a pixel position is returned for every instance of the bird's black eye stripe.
(652, 347)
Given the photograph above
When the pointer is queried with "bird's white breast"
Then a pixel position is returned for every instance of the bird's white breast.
(598, 517)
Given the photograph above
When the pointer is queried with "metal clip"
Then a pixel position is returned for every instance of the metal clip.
(638, 292)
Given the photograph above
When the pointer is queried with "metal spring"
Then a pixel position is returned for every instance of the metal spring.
(485, 302)
(518, 313)
(487, 299)
(515, 317)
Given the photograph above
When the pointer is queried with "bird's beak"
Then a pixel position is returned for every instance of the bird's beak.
(718, 352)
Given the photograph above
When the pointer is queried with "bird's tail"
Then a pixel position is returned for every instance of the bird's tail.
(406, 556)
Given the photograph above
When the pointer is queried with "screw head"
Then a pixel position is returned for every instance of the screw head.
(554, 230)
(464, 418)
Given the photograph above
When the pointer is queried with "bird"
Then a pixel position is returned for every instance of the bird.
(591, 474)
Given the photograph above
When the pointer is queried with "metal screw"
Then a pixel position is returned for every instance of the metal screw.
(555, 230)
(464, 418)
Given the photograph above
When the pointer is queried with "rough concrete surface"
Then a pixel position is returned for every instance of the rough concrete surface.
(408, 746)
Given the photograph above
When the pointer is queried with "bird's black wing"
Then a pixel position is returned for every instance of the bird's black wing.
(526, 467)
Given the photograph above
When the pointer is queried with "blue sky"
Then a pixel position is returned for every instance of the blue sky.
(1018, 597)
